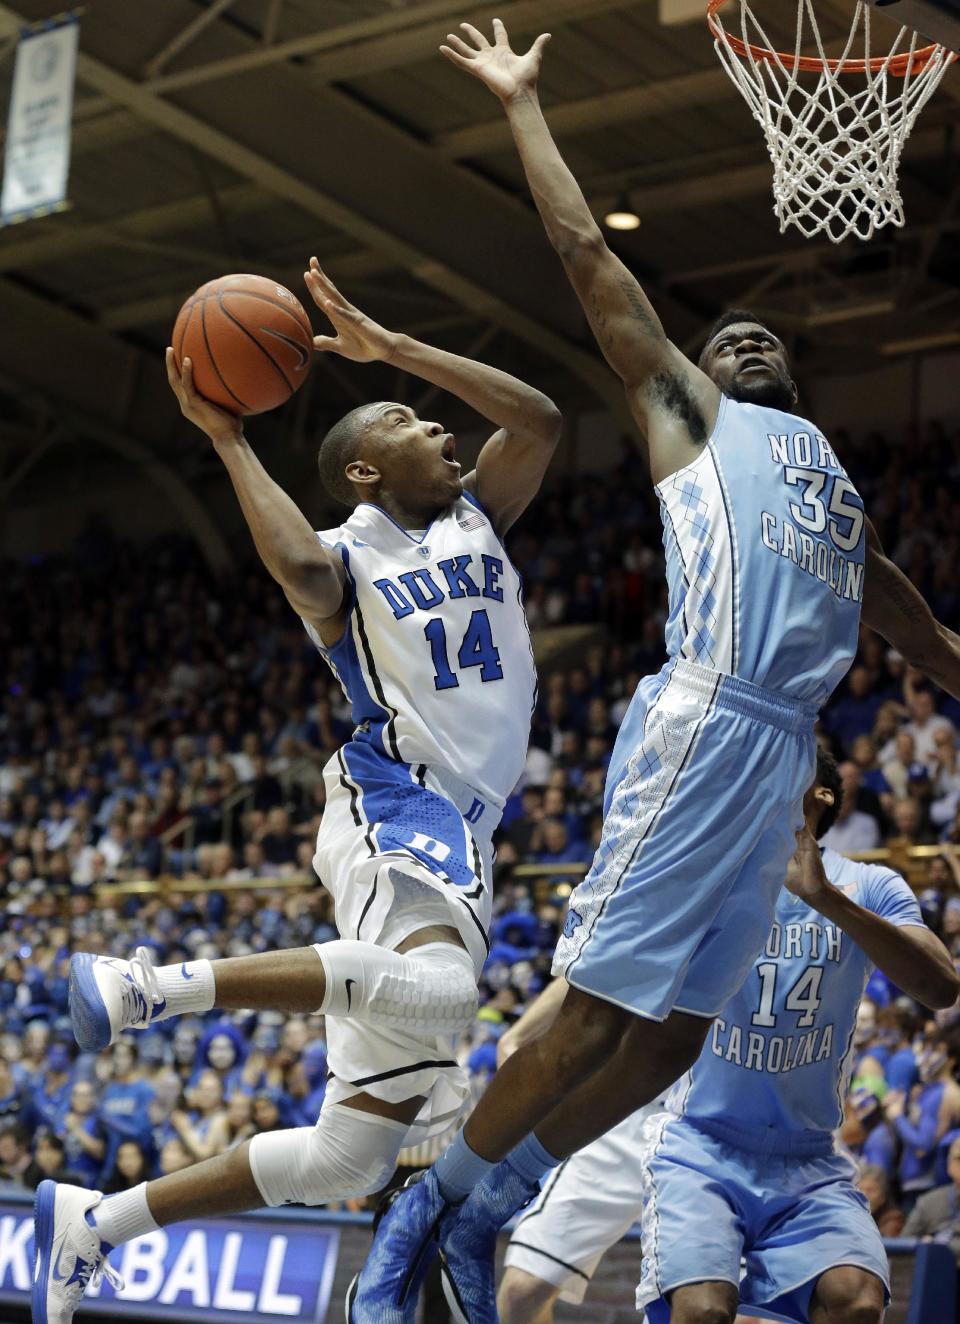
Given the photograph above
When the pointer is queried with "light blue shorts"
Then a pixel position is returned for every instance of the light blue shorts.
(703, 801)
(791, 1217)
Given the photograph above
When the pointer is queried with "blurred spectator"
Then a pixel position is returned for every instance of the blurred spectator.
(936, 1214)
(11, 1095)
(130, 1168)
(928, 1114)
(925, 722)
(49, 1097)
(83, 1134)
(15, 1156)
(875, 1184)
(125, 1107)
(203, 1130)
(896, 769)
(48, 1163)
(909, 827)
(174, 1157)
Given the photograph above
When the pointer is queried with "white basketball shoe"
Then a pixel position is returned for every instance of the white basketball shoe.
(108, 996)
(69, 1253)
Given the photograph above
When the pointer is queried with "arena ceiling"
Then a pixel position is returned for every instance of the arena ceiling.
(247, 134)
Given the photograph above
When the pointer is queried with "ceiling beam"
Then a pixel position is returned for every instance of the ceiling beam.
(149, 223)
(385, 41)
(521, 292)
(103, 388)
(706, 190)
(164, 307)
(629, 105)
(188, 33)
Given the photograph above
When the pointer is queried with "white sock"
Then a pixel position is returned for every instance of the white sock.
(119, 1218)
(189, 986)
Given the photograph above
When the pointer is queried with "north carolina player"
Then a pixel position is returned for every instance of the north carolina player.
(416, 606)
(769, 558)
(743, 1163)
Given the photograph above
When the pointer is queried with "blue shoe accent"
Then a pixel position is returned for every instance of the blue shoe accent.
(406, 1232)
(468, 1244)
(88, 1012)
(43, 1206)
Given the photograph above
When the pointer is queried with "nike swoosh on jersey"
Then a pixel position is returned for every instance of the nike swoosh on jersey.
(349, 994)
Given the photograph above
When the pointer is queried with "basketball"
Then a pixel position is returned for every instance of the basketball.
(249, 340)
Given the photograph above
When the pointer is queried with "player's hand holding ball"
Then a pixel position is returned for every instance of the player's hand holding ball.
(219, 425)
(358, 337)
(507, 74)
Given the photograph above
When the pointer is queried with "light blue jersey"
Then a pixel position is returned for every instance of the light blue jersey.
(764, 544)
(773, 1071)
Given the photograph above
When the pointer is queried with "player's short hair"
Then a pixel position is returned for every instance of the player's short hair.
(339, 448)
(732, 317)
(828, 775)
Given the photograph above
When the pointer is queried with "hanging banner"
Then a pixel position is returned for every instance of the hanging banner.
(37, 149)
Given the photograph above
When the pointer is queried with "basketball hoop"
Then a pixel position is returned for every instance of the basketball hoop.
(835, 148)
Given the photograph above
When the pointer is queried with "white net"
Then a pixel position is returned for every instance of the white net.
(834, 127)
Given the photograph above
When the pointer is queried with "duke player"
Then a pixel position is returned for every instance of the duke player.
(416, 607)
(744, 1162)
(768, 554)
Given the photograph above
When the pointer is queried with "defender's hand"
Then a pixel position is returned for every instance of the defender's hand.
(506, 73)
(805, 874)
(358, 337)
(217, 423)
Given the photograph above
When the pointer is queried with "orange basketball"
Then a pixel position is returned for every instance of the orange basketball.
(249, 340)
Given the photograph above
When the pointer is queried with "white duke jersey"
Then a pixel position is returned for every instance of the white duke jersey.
(773, 1072)
(764, 544)
(436, 658)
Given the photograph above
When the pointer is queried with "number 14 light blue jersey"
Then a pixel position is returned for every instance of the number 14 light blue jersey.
(436, 658)
(773, 1071)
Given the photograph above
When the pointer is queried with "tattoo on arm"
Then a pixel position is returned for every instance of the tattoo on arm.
(905, 597)
(638, 307)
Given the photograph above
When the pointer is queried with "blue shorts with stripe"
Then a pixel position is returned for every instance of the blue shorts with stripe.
(788, 1217)
(704, 797)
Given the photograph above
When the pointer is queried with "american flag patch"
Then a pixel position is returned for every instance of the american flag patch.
(471, 522)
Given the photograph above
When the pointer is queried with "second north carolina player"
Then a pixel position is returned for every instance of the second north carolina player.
(417, 608)
(743, 1163)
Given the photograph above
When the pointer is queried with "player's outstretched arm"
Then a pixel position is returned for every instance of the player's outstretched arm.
(913, 957)
(512, 464)
(894, 608)
(674, 403)
(311, 577)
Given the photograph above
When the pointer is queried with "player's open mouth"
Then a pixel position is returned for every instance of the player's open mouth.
(448, 451)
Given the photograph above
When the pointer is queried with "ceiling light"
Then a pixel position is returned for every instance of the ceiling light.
(622, 216)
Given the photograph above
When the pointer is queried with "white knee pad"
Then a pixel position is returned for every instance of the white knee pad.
(430, 990)
(348, 1153)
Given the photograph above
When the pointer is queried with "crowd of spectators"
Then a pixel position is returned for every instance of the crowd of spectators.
(158, 721)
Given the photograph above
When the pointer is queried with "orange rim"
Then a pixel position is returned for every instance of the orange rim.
(899, 66)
